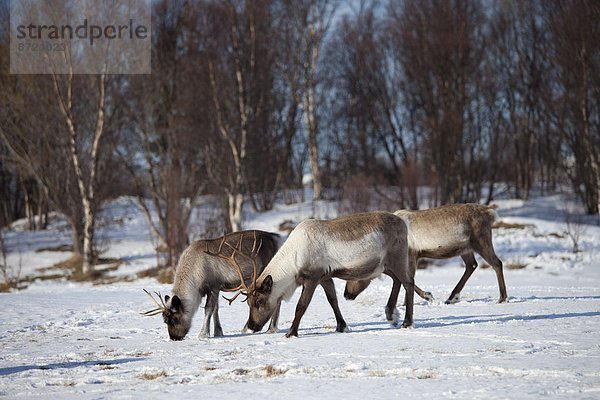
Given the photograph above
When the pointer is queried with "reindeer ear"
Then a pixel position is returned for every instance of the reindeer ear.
(266, 285)
(176, 304)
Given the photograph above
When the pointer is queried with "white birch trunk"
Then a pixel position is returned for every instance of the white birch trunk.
(313, 148)
(313, 41)
(235, 197)
(87, 192)
(235, 204)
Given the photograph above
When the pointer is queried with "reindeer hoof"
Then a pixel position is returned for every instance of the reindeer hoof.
(291, 334)
(203, 335)
(453, 300)
(218, 333)
(273, 330)
(407, 325)
(393, 316)
(342, 329)
(503, 300)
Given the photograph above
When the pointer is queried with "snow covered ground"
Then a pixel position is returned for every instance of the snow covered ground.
(60, 339)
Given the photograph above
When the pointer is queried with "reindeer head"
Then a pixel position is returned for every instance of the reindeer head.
(172, 309)
(262, 305)
(354, 288)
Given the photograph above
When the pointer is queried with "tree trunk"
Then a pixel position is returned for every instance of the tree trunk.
(235, 202)
(313, 150)
(76, 236)
(29, 214)
(88, 239)
(86, 192)
(235, 197)
(310, 114)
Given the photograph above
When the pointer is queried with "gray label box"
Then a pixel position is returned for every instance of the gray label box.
(80, 36)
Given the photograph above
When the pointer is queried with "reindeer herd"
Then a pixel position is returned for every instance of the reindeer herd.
(356, 248)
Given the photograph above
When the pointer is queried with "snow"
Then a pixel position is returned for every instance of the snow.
(64, 340)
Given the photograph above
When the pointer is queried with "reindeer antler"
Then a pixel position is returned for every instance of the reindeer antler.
(161, 306)
(242, 288)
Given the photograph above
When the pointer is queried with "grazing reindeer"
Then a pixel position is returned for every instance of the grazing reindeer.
(201, 274)
(445, 232)
(359, 246)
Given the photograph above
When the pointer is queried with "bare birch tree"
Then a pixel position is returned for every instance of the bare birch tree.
(236, 60)
(86, 180)
(314, 20)
(162, 151)
(49, 133)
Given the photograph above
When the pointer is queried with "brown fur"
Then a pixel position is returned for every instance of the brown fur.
(353, 227)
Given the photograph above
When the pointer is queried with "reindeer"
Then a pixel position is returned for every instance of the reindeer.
(359, 246)
(445, 232)
(200, 274)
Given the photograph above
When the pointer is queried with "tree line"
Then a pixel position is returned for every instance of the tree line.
(247, 96)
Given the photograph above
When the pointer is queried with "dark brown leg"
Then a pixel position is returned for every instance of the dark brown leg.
(274, 320)
(308, 289)
(484, 246)
(391, 311)
(412, 261)
(497, 266)
(489, 255)
(216, 320)
(209, 309)
(423, 294)
(409, 300)
(470, 265)
(329, 288)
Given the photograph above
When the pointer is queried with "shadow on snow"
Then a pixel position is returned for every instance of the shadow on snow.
(74, 364)
(467, 320)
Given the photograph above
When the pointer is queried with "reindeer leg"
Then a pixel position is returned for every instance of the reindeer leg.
(308, 289)
(488, 254)
(409, 299)
(329, 288)
(391, 311)
(412, 264)
(470, 265)
(218, 328)
(402, 275)
(208, 310)
(274, 319)
(423, 294)
(497, 265)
